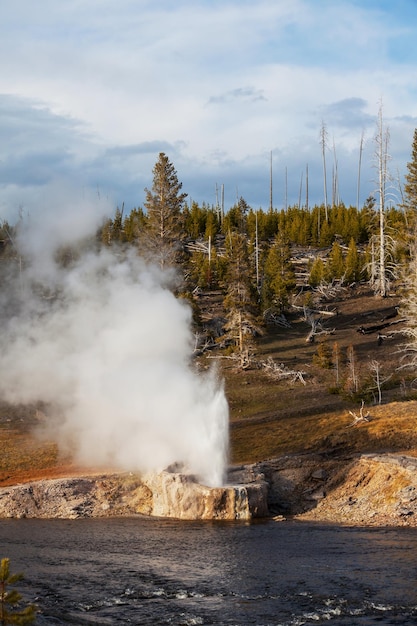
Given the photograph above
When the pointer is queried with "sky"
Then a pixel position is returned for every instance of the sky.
(91, 91)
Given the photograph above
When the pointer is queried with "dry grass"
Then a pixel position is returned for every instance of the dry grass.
(22, 456)
(269, 418)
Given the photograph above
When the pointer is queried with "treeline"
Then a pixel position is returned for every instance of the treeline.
(258, 259)
(338, 242)
(317, 227)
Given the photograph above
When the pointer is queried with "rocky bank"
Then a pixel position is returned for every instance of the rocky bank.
(363, 490)
(375, 489)
(166, 494)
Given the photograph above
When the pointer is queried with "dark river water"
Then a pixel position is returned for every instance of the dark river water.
(147, 571)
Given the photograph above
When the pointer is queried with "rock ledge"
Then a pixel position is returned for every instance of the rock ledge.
(167, 494)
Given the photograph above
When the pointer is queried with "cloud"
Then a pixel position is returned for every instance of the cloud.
(350, 113)
(147, 147)
(248, 94)
(106, 87)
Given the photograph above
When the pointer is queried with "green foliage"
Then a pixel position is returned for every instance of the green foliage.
(112, 230)
(265, 223)
(278, 276)
(335, 268)
(239, 282)
(353, 263)
(133, 225)
(236, 218)
(10, 611)
(240, 301)
(164, 203)
(410, 187)
(323, 356)
(7, 236)
(317, 272)
(201, 222)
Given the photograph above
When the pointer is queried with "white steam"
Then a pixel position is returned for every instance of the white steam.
(109, 346)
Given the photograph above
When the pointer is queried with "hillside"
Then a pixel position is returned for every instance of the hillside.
(309, 418)
(270, 417)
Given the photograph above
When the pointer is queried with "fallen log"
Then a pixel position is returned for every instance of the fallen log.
(366, 330)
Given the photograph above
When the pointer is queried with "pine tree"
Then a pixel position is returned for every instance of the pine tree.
(240, 301)
(353, 268)
(317, 272)
(117, 230)
(410, 187)
(335, 265)
(408, 309)
(409, 302)
(10, 599)
(236, 218)
(278, 277)
(133, 225)
(164, 204)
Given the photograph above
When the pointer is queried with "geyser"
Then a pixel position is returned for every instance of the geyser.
(103, 341)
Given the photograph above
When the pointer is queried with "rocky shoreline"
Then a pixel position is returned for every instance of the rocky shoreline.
(362, 490)
(365, 490)
(169, 494)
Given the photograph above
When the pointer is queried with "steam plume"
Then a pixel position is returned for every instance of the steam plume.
(110, 351)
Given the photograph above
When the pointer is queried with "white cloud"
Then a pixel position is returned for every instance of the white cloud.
(222, 83)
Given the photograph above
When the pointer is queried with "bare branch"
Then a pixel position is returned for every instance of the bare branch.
(359, 418)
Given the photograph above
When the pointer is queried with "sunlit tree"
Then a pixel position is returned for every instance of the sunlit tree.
(409, 302)
(410, 187)
(164, 204)
(352, 263)
(278, 276)
(240, 300)
(335, 265)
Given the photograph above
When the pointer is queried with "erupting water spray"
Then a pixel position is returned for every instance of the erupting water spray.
(104, 342)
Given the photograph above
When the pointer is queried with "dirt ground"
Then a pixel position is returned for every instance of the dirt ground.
(271, 417)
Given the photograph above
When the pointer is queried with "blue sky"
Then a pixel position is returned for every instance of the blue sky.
(92, 90)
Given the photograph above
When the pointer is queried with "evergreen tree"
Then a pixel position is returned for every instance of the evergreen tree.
(409, 302)
(164, 204)
(335, 264)
(239, 302)
(106, 232)
(112, 230)
(317, 272)
(353, 264)
(278, 276)
(10, 613)
(133, 225)
(117, 234)
(195, 220)
(410, 187)
(409, 311)
(236, 218)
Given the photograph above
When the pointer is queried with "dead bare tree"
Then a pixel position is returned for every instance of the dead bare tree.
(359, 418)
(353, 370)
(323, 142)
(277, 319)
(381, 279)
(279, 371)
(336, 361)
(329, 291)
(379, 380)
(315, 319)
(359, 170)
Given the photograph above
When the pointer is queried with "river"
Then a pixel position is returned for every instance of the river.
(150, 571)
